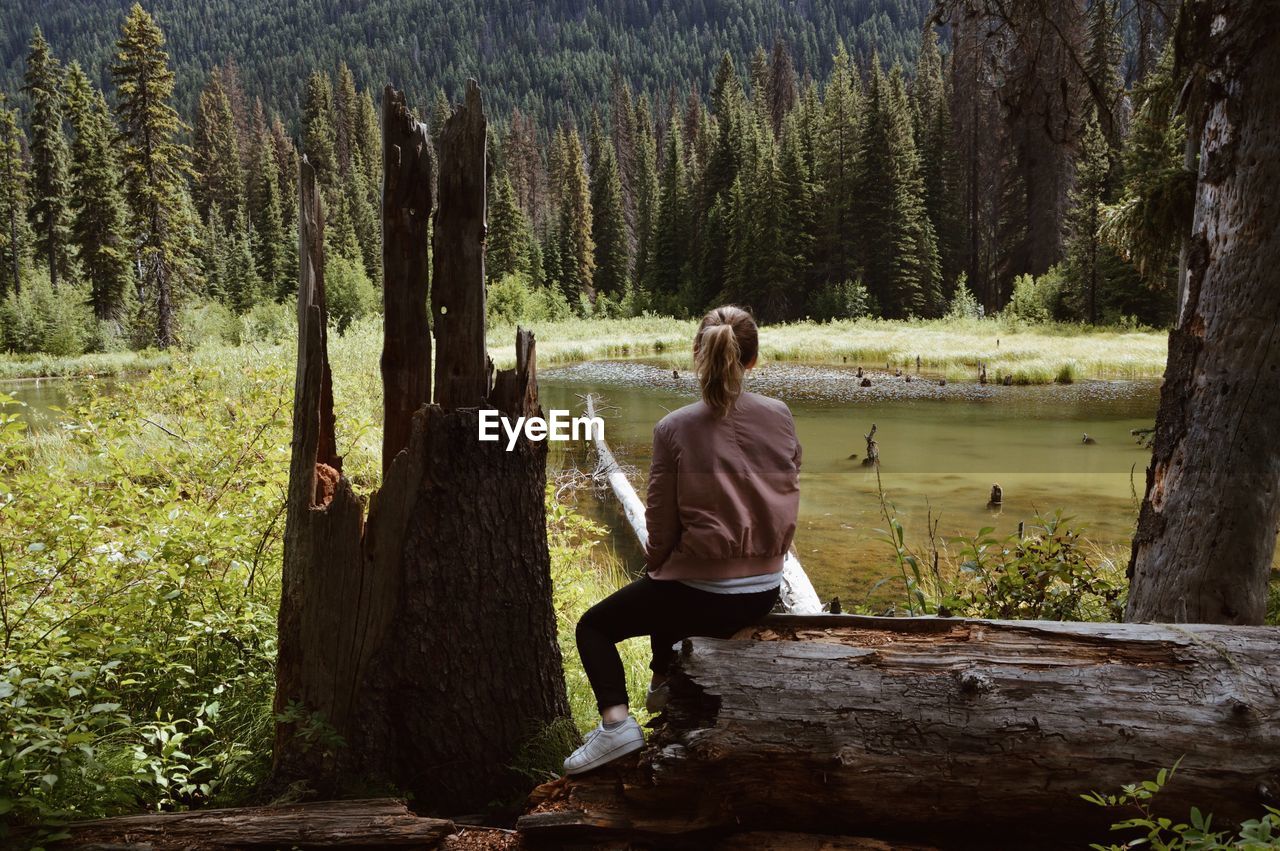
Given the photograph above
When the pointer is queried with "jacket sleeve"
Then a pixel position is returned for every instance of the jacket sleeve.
(661, 514)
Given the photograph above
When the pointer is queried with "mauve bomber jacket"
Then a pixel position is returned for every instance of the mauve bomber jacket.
(723, 493)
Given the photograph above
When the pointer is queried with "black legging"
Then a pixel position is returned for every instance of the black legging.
(666, 610)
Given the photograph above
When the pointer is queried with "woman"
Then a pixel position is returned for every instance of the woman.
(721, 511)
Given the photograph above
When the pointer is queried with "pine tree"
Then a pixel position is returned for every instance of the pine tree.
(246, 288)
(507, 245)
(272, 247)
(783, 88)
(666, 268)
(1085, 250)
(900, 249)
(319, 133)
(155, 168)
(346, 112)
(14, 233)
(1102, 67)
(646, 191)
(100, 224)
(836, 246)
(931, 111)
(50, 160)
(219, 173)
(577, 249)
(608, 227)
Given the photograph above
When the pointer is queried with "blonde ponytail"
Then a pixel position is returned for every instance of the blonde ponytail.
(725, 344)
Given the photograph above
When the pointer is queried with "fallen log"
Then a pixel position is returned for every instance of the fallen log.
(375, 823)
(797, 594)
(952, 732)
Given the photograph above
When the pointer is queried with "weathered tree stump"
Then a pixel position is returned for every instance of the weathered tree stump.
(960, 733)
(418, 648)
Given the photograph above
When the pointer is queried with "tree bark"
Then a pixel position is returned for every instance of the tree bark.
(319, 663)
(417, 649)
(941, 731)
(463, 369)
(407, 178)
(1207, 527)
(378, 823)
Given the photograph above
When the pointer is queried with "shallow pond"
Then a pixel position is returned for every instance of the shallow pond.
(941, 449)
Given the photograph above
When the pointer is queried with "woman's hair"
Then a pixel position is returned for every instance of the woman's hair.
(726, 342)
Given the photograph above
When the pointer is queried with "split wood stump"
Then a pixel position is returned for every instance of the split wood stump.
(418, 643)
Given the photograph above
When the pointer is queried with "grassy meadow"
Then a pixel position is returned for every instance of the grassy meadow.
(952, 348)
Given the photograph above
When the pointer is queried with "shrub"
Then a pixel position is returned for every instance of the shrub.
(510, 300)
(38, 318)
(1164, 834)
(270, 322)
(963, 304)
(845, 300)
(1029, 301)
(207, 323)
(349, 294)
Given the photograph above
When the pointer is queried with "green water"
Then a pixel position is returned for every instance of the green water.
(941, 449)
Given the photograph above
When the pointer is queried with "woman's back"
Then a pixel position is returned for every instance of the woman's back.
(723, 490)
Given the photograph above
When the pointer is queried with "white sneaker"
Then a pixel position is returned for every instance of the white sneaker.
(656, 698)
(603, 746)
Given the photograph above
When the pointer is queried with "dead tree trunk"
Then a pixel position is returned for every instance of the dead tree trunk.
(1207, 528)
(948, 731)
(407, 177)
(418, 650)
(463, 369)
(378, 823)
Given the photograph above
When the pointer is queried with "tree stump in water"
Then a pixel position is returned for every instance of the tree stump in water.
(418, 648)
(873, 448)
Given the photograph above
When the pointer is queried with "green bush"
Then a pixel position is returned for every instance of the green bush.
(349, 294)
(963, 304)
(1033, 299)
(1048, 572)
(40, 319)
(846, 300)
(510, 300)
(270, 322)
(205, 323)
(1161, 833)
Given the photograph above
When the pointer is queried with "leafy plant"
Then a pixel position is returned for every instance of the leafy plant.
(1196, 834)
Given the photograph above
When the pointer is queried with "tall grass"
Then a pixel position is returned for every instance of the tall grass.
(954, 348)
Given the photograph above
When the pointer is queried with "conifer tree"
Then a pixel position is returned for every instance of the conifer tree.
(272, 247)
(646, 191)
(245, 283)
(577, 248)
(836, 163)
(931, 110)
(14, 233)
(155, 167)
(900, 249)
(220, 178)
(346, 112)
(319, 133)
(1085, 250)
(1102, 67)
(608, 226)
(99, 214)
(507, 244)
(783, 86)
(666, 268)
(50, 160)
